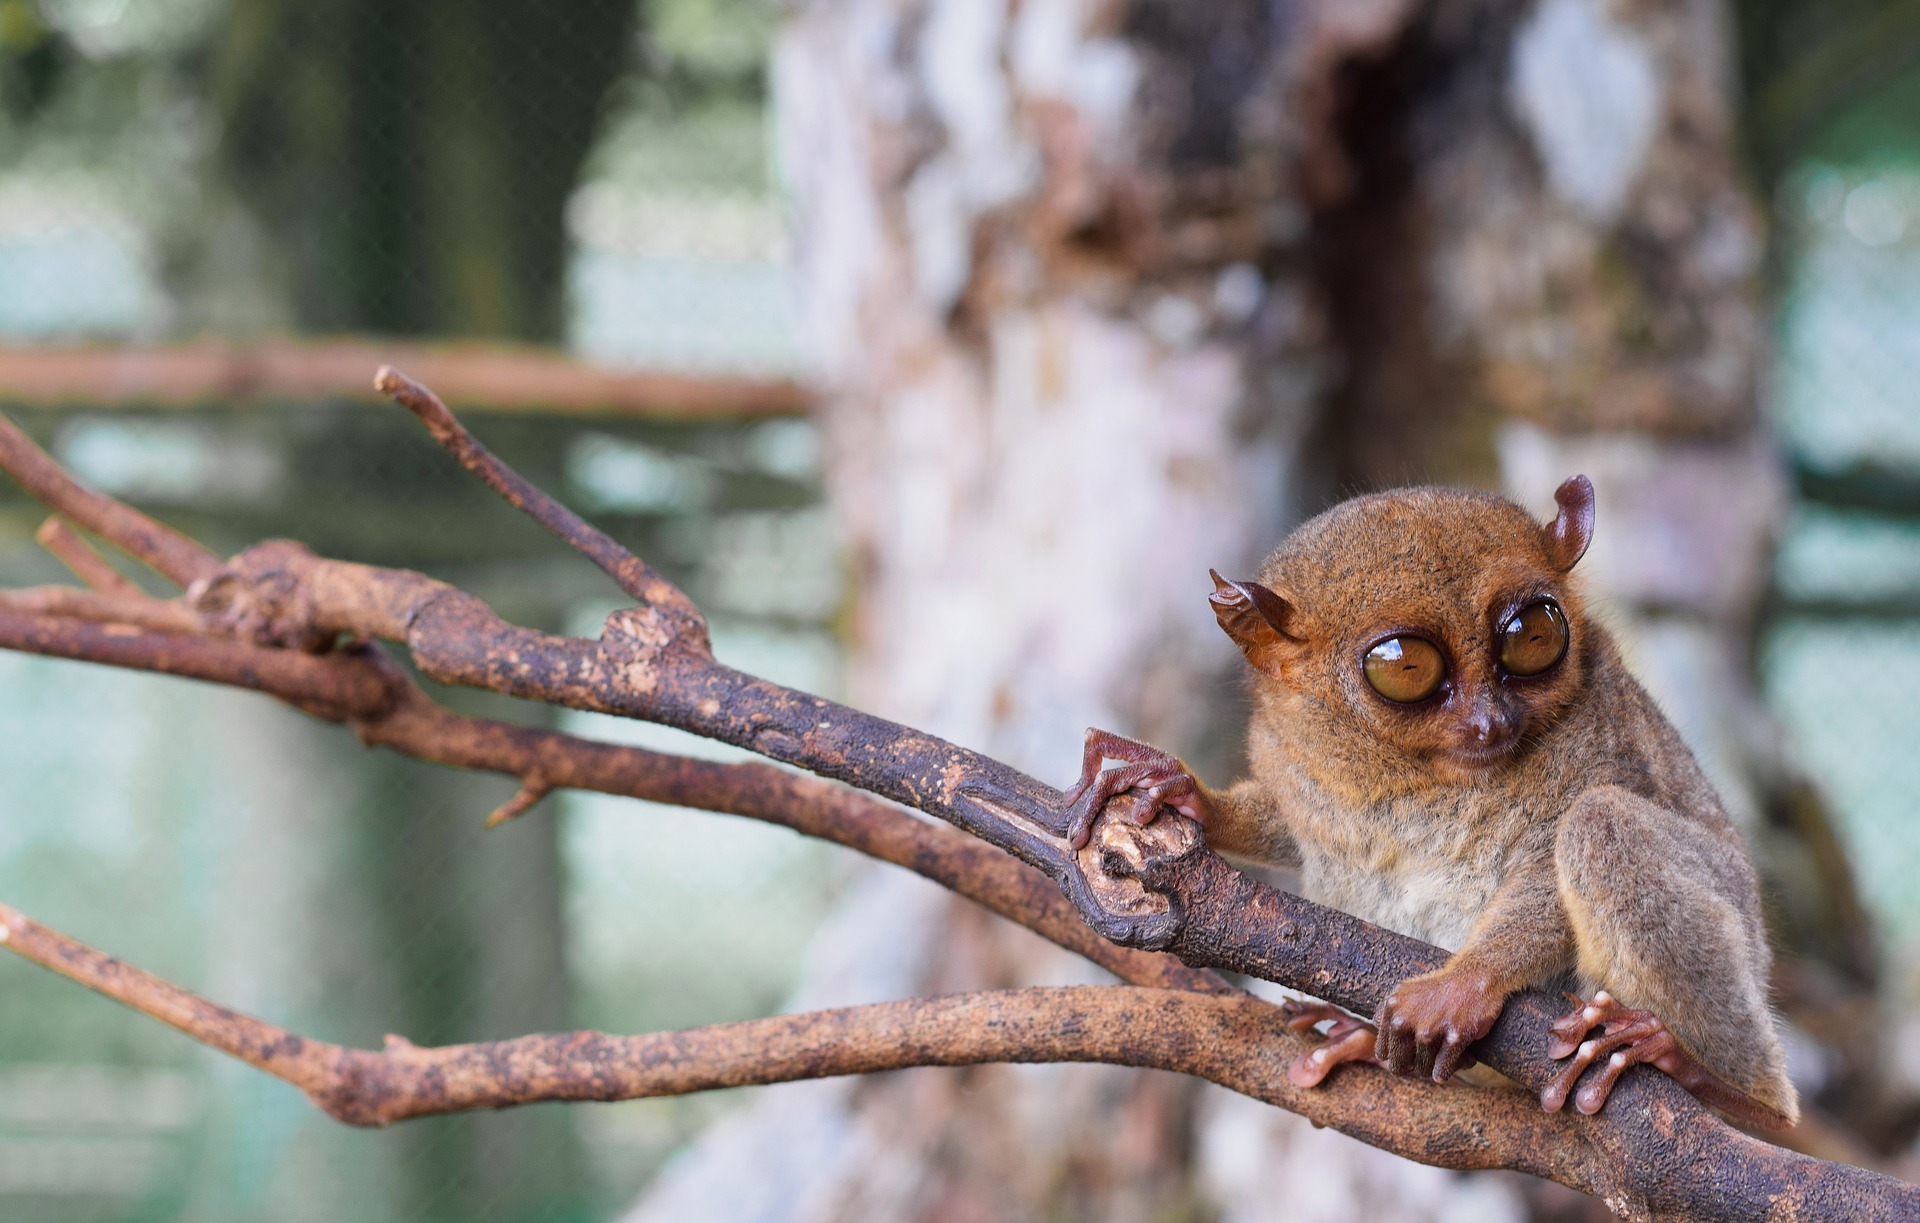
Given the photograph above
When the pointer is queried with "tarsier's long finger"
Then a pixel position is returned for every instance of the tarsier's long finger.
(1425, 1053)
(1181, 792)
(1396, 1048)
(1086, 806)
(1612, 1045)
(1091, 759)
(1593, 1093)
(1119, 747)
(1302, 1015)
(1570, 1029)
(1309, 1069)
(1103, 745)
(1452, 1057)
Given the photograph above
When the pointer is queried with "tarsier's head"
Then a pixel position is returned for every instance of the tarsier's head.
(1438, 623)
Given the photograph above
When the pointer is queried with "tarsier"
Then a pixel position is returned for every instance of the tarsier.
(1444, 743)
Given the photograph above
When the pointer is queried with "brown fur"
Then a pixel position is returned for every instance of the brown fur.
(1586, 849)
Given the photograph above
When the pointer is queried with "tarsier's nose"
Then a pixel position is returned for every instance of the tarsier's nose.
(1487, 724)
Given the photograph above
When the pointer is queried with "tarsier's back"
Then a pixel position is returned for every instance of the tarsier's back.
(1446, 743)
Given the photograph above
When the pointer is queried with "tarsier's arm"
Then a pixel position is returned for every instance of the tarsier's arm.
(1522, 938)
(1246, 822)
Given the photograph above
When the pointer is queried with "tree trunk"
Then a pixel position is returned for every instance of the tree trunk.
(1106, 294)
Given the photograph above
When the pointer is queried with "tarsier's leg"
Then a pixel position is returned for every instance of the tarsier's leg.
(1668, 925)
(1349, 1039)
(1161, 774)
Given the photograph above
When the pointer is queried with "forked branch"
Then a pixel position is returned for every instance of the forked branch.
(632, 574)
(1653, 1152)
(361, 688)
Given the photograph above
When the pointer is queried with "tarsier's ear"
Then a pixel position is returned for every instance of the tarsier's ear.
(1256, 618)
(1569, 534)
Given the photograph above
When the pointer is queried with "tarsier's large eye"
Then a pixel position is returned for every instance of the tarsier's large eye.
(1534, 639)
(1405, 669)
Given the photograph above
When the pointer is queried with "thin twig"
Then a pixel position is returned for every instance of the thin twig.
(78, 555)
(634, 575)
(327, 689)
(525, 799)
(137, 609)
(163, 549)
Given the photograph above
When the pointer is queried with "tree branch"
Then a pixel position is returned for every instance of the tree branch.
(162, 549)
(1234, 1040)
(1653, 1152)
(101, 607)
(78, 555)
(632, 574)
(360, 687)
(364, 690)
(501, 376)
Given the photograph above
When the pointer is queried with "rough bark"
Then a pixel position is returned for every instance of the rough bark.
(1016, 225)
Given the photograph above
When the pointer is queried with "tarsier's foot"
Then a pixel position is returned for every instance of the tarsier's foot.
(1349, 1039)
(1628, 1037)
(1161, 775)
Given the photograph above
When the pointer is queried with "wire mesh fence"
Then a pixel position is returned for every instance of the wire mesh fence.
(1842, 662)
(595, 177)
(591, 176)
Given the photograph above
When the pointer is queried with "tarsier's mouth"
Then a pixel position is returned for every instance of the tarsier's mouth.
(1480, 757)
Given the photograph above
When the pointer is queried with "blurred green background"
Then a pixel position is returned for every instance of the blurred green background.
(592, 176)
(595, 176)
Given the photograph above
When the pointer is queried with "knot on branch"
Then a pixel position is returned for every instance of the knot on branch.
(357, 1088)
(259, 596)
(1124, 880)
(640, 640)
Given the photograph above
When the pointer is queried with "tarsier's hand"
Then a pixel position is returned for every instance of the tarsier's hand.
(1428, 1021)
(1165, 780)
